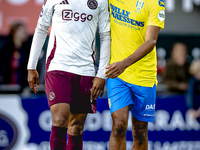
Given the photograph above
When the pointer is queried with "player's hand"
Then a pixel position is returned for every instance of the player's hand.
(115, 69)
(33, 80)
(97, 88)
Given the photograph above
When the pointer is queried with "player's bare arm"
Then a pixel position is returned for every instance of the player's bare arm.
(115, 69)
(33, 80)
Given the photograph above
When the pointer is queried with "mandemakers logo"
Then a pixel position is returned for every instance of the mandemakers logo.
(161, 15)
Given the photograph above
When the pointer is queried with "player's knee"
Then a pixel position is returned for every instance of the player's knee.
(140, 135)
(119, 128)
(60, 121)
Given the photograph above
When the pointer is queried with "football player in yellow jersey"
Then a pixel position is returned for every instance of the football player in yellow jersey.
(131, 83)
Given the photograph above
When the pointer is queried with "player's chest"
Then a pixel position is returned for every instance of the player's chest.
(76, 10)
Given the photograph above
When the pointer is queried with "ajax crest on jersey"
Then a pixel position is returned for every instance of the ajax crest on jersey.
(139, 4)
(92, 4)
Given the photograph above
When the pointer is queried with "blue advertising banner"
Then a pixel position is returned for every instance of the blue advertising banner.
(25, 124)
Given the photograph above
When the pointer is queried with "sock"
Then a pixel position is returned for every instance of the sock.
(58, 138)
(75, 142)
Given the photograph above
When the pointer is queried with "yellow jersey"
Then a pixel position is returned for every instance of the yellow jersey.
(129, 20)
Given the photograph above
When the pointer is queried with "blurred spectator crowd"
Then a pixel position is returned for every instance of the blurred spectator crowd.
(14, 56)
(180, 74)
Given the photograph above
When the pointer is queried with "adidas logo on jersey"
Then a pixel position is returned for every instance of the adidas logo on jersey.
(64, 2)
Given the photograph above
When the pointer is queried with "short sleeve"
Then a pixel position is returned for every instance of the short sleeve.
(156, 13)
(104, 18)
(46, 13)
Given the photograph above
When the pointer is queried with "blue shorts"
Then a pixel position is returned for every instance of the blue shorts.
(140, 99)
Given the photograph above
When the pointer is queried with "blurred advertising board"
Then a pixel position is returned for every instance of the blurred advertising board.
(25, 124)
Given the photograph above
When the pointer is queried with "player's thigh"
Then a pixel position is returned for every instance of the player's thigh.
(144, 103)
(58, 87)
(119, 94)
